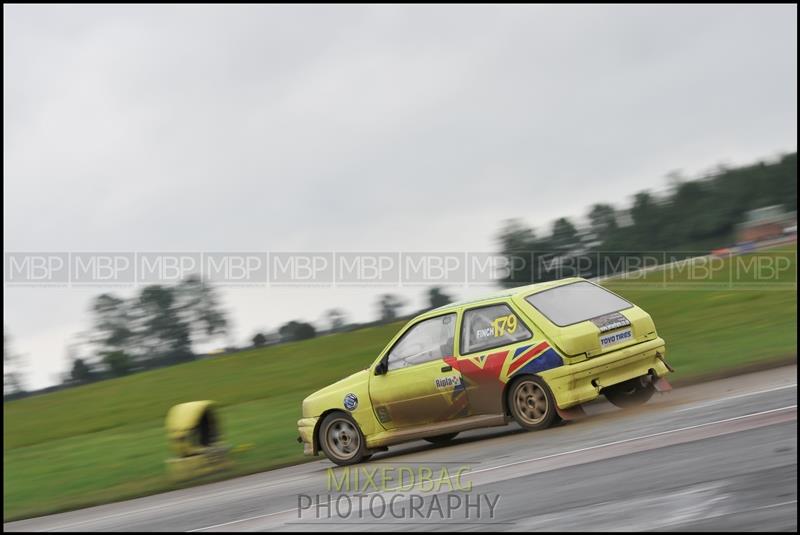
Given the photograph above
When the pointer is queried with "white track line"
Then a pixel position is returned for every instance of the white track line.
(729, 513)
(579, 450)
(626, 440)
(747, 394)
(206, 495)
(215, 526)
(770, 506)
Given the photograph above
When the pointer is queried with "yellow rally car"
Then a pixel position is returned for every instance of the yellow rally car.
(532, 354)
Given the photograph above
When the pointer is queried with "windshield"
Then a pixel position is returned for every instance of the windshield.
(576, 302)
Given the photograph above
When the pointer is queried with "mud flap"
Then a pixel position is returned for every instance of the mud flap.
(573, 413)
(662, 385)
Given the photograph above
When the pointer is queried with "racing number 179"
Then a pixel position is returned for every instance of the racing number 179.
(504, 324)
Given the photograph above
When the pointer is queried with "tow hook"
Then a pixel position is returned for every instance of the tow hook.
(597, 386)
(660, 357)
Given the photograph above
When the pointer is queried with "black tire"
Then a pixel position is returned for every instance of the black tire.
(630, 393)
(341, 439)
(441, 439)
(531, 404)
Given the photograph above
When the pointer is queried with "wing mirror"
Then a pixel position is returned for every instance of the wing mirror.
(381, 368)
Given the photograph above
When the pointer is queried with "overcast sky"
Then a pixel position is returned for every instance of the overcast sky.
(293, 128)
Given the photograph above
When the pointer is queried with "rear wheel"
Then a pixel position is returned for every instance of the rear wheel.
(441, 439)
(531, 403)
(342, 440)
(630, 393)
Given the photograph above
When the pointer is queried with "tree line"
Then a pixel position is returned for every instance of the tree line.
(157, 327)
(389, 308)
(161, 326)
(694, 215)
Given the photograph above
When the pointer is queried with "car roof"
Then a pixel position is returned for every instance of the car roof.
(507, 292)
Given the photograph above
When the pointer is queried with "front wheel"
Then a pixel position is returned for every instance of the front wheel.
(531, 403)
(342, 440)
(630, 393)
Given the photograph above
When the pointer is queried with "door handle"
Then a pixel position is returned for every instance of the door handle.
(447, 368)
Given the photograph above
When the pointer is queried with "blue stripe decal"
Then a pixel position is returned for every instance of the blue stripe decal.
(520, 350)
(548, 360)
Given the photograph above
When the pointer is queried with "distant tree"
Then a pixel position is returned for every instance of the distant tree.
(12, 376)
(198, 303)
(117, 363)
(164, 331)
(643, 208)
(297, 330)
(389, 306)
(603, 221)
(517, 243)
(437, 298)
(259, 339)
(644, 211)
(516, 237)
(336, 319)
(81, 372)
(113, 331)
(694, 213)
(675, 177)
(157, 327)
(564, 235)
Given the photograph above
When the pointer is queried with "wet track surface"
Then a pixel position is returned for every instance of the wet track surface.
(718, 456)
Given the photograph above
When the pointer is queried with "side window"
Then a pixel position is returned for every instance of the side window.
(491, 326)
(428, 340)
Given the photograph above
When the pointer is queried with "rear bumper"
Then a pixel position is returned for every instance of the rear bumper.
(306, 427)
(578, 383)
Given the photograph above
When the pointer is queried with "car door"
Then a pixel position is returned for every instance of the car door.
(496, 343)
(419, 387)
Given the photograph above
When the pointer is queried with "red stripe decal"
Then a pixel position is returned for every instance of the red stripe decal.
(527, 357)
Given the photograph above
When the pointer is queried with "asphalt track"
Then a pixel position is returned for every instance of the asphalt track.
(716, 456)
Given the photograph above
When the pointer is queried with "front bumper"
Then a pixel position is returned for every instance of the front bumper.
(306, 427)
(578, 383)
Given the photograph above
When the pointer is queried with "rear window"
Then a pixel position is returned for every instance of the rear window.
(576, 302)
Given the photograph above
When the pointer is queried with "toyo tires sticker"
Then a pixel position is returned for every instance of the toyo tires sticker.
(615, 338)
